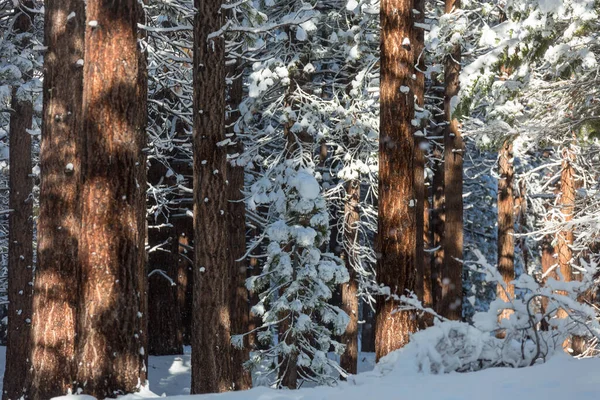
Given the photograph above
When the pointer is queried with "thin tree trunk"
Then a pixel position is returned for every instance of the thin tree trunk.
(506, 223)
(564, 239)
(438, 217)
(240, 313)
(20, 241)
(548, 271)
(367, 329)
(396, 266)
(58, 231)
(165, 335)
(112, 283)
(349, 360)
(211, 358)
(451, 301)
(423, 263)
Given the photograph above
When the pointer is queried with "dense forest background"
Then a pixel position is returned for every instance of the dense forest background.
(283, 184)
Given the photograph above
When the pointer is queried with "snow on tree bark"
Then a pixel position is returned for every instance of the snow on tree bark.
(451, 300)
(211, 323)
(112, 311)
(349, 360)
(20, 239)
(55, 296)
(397, 219)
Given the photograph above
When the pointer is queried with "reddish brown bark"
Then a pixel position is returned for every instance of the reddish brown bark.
(240, 313)
(20, 241)
(55, 297)
(564, 239)
(112, 311)
(397, 219)
(211, 358)
(451, 300)
(349, 360)
(506, 223)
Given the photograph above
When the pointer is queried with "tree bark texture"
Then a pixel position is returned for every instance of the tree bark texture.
(397, 220)
(58, 231)
(112, 284)
(165, 336)
(211, 325)
(506, 223)
(423, 264)
(438, 216)
(349, 360)
(20, 240)
(240, 312)
(451, 301)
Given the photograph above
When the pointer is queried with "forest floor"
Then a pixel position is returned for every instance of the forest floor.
(562, 377)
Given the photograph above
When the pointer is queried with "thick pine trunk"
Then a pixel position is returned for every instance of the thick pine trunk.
(349, 360)
(506, 223)
(20, 241)
(211, 325)
(55, 295)
(240, 313)
(165, 335)
(112, 283)
(451, 301)
(396, 266)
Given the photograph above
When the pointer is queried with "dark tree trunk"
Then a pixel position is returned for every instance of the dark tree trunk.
(451, 301)
(423, 263)
(211, 358)
(111, 338)
(20, 241)
(506, 224)
(367, 330)
(164, 322)
(58, 230)
(438, 217)
(396, 267)
(185, 232)
(349, 360)
(240, 313)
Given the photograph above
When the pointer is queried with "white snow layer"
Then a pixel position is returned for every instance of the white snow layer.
(395, 377)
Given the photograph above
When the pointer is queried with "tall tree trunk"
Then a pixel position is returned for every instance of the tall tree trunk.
(423, 264)
(112, 284)
(564, 239)
(165, 335)
(506, 223)
(396, 266)
(58, 230)
(20, 240)
(240, 313)
(438, 216)
(211, 358)
(349, 360)
(451, 301)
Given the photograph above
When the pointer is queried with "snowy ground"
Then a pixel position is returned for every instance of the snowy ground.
(561, 378)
